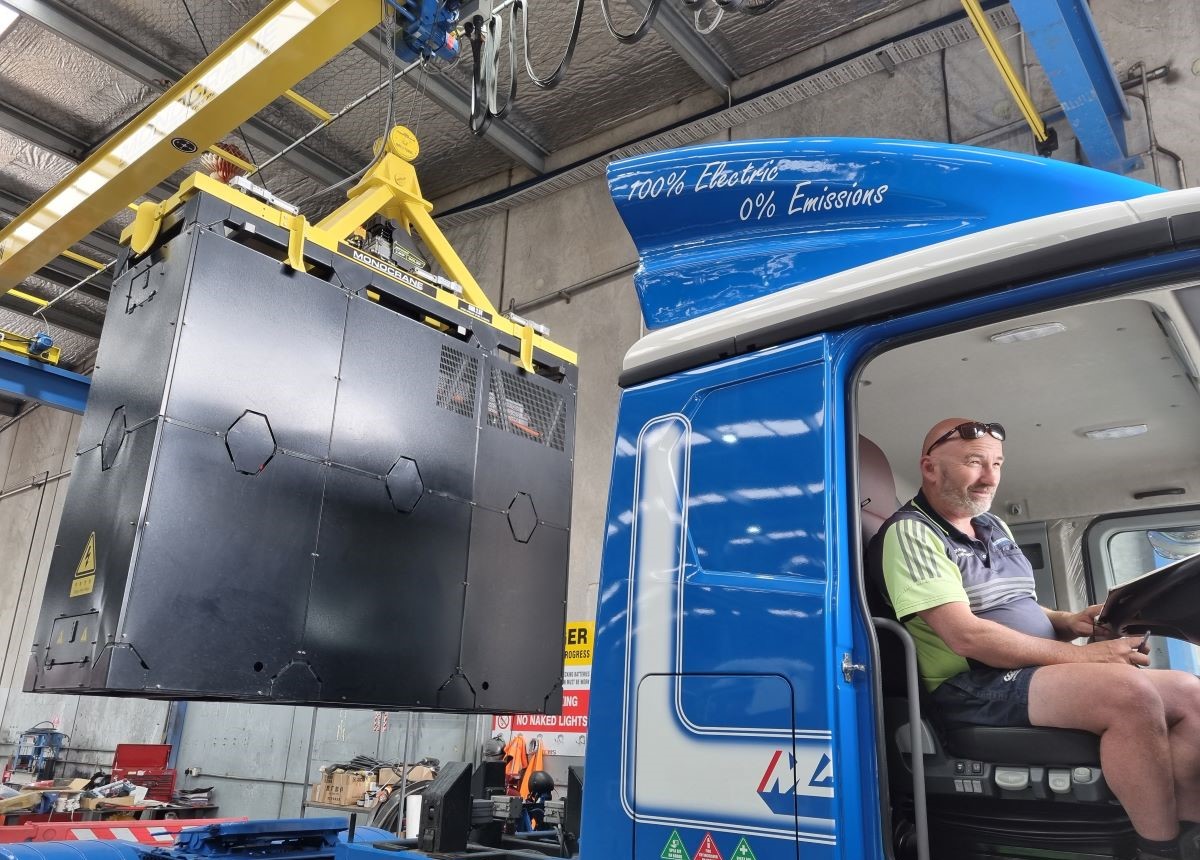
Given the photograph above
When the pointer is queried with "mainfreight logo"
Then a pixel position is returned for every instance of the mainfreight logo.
(383, 268)
(809, 797)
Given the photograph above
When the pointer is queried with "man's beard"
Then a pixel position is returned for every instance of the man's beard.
(962, 500)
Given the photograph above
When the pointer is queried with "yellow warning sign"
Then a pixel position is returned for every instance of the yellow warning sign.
(578, 651)
(87, 562)
(85, 574)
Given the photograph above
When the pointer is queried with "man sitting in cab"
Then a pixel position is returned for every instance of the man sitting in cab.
(990, 655)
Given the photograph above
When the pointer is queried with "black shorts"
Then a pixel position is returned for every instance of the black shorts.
(984, 696)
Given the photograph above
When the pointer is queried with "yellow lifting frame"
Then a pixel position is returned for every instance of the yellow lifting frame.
(1011, 80)
(388, 188)
(277, 48)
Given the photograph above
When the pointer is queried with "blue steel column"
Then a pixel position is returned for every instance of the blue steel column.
(32, 380)
(1064, 36)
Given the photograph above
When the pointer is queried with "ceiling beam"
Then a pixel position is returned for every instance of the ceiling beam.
(40, 133)
(673, 27)
(456, 101)
(143, 66)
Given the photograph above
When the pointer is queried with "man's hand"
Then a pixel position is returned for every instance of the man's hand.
(1125, 650)
(1072, 625)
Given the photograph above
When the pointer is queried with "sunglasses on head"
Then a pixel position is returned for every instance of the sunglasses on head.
(969, 430)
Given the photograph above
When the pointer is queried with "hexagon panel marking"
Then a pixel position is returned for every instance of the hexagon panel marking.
(250, 442)
(114, 438)
(404, 485)
(522, 517)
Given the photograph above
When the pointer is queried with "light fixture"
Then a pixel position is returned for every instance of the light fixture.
(1121, 431)
(8, 17)
(1029, 332)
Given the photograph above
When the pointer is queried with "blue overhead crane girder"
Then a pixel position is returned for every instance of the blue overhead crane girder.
(30, 379)
(1064, 36)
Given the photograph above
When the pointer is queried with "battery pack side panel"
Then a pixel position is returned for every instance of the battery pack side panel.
(90, 566)
(525, 444)
(407, 393)
(516, 593)
(386, 606)
(218, 596)
(139, 337)
(258, 337)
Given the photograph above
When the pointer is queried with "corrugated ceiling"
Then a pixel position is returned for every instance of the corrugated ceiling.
(83, 99)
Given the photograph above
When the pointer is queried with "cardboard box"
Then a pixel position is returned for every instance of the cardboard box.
(24, 800)
(342, 787)
(416, 773)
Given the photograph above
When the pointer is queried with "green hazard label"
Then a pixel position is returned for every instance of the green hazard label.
(742, 852)
(675, 850)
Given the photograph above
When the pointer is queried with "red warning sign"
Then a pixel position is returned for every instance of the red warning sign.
(707, 850)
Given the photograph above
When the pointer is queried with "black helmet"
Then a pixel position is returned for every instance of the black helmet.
(540, 782)
(493, 750)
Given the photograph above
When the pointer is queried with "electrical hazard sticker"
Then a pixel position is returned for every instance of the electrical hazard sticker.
(742, 852)
(708, 849)
(674, 849)
(85, 571)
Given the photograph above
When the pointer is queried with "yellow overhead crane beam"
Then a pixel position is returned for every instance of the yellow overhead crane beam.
(277, 48)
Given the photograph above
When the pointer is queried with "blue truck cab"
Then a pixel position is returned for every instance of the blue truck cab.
(813, 306)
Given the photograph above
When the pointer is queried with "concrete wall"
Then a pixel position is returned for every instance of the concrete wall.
(260, 757)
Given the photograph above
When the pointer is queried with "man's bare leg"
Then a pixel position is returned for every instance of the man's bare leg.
(1180, 694)
(1124, 707)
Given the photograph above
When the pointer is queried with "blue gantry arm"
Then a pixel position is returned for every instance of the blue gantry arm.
(30, 379)
(1064, 37)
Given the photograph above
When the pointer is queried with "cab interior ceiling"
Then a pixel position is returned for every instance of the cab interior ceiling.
(1113, 364)
(78, 98)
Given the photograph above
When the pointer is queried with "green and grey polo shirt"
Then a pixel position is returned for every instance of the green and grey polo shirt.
(926, 562)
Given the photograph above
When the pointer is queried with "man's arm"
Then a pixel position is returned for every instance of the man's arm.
(975, 638)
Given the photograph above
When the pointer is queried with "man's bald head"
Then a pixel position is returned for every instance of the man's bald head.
(941, 429)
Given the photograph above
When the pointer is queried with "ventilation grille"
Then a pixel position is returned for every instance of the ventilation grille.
(526, 410)
(458, 380)
(902, 51)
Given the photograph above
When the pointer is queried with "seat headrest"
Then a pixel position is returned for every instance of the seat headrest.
(876, 487)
